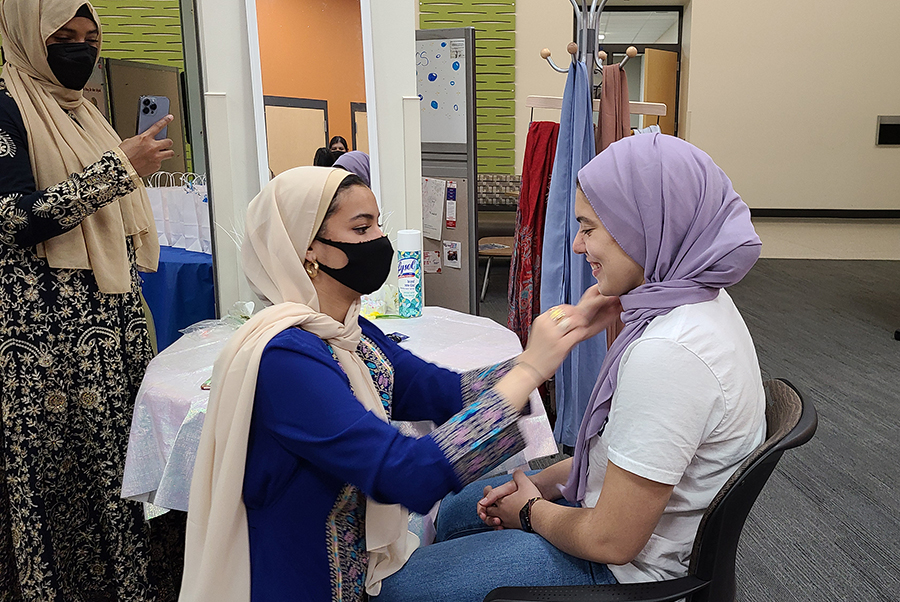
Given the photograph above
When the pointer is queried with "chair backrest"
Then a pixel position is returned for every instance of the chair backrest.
(790, 421)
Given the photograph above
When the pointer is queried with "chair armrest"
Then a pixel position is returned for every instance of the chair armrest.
(657, 591)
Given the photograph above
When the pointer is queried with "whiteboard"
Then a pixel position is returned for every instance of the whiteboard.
(441, 83)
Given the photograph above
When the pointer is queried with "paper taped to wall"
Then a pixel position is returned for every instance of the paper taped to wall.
(452, 254)
(434, 192)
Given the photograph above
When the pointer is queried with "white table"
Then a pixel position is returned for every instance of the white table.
(171, 406)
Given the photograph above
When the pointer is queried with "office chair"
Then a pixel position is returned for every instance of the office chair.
(790, 422)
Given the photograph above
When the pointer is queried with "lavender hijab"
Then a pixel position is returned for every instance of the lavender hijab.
(355, 162)
(674, 212)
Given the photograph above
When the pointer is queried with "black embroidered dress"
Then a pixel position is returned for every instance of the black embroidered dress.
(71, 361)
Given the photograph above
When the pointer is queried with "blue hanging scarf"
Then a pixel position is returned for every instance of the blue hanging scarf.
(565, 275)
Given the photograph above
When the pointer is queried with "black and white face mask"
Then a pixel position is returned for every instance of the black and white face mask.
(72, 63)
(368, 264)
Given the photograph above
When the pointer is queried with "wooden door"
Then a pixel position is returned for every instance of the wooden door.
(293, 135)
(660, 85)
(127, 82)
(360, 124)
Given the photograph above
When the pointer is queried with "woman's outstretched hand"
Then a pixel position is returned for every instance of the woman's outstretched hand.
(553, 334)
(598, 311)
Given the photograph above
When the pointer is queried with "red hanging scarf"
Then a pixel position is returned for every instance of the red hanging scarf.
(525, 266)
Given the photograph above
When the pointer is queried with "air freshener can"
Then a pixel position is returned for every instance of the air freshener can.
(409, 266)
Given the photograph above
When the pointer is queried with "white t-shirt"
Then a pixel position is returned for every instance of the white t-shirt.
(689, 407)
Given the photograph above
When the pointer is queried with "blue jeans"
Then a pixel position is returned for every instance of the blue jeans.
(469, 559)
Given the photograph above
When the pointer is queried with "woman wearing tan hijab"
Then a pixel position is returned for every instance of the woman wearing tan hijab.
(301, 486)
(75, 226)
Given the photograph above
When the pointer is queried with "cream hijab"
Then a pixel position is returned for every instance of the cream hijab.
(59, 147)
(280, 225)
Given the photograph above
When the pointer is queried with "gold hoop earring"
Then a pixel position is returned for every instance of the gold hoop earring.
(312, 268)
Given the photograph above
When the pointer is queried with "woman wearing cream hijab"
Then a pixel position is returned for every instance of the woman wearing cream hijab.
(301, 486)
(75, 226)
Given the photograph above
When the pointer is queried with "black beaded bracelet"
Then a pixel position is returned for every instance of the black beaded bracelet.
(525, 515)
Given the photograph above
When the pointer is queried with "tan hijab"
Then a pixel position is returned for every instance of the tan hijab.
(59, 147)
(280, 225)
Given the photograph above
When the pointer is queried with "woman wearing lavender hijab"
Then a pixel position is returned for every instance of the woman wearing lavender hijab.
(678, 403)
(355, 162)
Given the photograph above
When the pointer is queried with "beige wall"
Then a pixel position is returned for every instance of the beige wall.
(539, 24)
(684, 124)
(829, 239)
(784, 96)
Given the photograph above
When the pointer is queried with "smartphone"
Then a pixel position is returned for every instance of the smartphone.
(150, 110)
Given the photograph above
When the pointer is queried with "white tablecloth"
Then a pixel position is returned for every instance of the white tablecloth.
(171, 406)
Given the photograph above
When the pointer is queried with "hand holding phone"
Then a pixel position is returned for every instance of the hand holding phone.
(150, 110)
(145, 152)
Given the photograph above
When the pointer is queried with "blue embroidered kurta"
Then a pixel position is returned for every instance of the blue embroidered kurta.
(315, 453)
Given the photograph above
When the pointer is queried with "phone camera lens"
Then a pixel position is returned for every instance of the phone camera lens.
(146, 111)
(153, 107)
(146, 102)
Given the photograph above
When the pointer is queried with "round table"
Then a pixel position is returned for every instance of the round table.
(171, 403)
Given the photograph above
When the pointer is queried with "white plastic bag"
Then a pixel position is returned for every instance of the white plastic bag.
(201, 204)
(196, 225)
(173, 201)
(181, 210)
(159, 215)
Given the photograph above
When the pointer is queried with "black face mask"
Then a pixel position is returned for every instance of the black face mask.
(368, 264)
(72, 63)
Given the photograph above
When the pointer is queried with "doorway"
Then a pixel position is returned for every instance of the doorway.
(653, 75)
(295, 129)
(359, 121)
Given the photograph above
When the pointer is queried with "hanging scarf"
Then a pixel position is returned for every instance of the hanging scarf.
(280, 225)
(675, 213)
(564, 275)
(59, 147)
(614, 122)
(525, 266)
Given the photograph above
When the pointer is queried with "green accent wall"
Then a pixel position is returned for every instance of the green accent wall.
(495, 72)
(144, 31)
(147, 31)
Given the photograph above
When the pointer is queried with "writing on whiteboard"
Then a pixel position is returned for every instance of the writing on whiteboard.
(441, 83)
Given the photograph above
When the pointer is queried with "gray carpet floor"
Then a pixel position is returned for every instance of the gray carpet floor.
(827, 524)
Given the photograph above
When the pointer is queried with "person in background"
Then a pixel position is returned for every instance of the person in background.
(75, 227)
(355, 162)
(338, 145)
(301, 484)
(323, 157)
(678, 405)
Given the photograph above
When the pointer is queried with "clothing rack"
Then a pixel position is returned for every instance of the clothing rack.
(636, 108)
(587, 50)
(630, 53)
(572, 48)
(586, 46)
